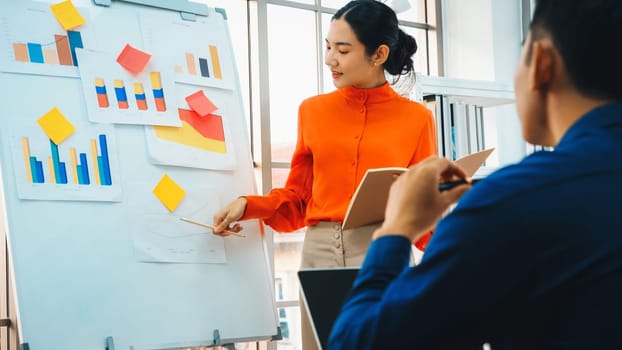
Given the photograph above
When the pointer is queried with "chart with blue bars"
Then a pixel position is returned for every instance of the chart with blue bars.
(32, 42)
(81, 168)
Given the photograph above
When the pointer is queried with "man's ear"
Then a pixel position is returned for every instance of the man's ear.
(541, 71)
(381, 55)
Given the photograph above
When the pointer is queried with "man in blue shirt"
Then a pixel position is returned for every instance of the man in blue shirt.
(531, 257)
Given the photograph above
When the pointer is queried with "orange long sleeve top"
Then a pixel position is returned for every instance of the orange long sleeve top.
(340, 135)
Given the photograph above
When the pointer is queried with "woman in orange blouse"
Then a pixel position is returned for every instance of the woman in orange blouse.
(363, 124)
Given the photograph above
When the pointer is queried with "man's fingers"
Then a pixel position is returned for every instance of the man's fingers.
(451, 196)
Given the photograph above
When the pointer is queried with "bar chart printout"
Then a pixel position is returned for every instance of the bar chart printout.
(80, 171)
(59, 51)
(32, 42)
(114, 96)
(206, 65)
(200, 59)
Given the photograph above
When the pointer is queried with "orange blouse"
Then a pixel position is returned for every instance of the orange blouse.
(340, 135)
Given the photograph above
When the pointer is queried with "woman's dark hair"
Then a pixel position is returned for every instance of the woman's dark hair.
(374, 24)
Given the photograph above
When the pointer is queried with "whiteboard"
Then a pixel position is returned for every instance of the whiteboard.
(98, 263)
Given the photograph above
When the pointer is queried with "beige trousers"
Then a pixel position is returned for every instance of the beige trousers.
(327, 245)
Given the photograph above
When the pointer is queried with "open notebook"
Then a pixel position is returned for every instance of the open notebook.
(370, 198)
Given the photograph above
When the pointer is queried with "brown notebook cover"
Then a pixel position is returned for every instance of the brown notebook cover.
(370, 198)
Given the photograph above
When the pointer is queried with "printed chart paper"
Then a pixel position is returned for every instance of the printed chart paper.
(33, 42)
(114, 95)
(198, 50)
(83, 168)
(160, 236)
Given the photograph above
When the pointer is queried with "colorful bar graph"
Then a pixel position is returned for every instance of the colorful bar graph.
(158, 91)
(208, 67)
(213, 50)
(102, 95)
(64, 53)
(138, 88)
(79, 165)
(119, 90)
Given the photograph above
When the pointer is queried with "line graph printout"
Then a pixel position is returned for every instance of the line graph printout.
(33, 42)
(83, 168)
(197, 50)
(114, 95)
(161, 236)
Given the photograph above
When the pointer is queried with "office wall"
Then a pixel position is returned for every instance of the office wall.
(481, 41)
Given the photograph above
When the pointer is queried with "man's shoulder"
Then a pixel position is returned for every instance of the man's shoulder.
(526, 177)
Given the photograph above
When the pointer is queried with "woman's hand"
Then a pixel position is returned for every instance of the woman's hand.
(227, 216)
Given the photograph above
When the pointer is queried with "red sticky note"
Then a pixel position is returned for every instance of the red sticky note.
(201, 103)
(133, 60)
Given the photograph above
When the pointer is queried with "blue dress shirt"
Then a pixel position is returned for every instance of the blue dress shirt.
(530, 258)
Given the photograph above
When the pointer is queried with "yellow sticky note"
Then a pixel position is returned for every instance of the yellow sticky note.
(169, 193)
(67, 15)
(56, 126)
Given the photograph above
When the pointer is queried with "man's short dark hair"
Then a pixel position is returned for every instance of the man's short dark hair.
(588, 35)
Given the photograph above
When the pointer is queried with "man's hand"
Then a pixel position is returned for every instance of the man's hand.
(415, 203)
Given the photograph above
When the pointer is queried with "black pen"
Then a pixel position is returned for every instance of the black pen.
(451, 184)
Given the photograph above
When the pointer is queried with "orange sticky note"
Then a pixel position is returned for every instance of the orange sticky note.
(169, 193)
(201, 103)
(67, 15)
(56, 126)
(133, 60)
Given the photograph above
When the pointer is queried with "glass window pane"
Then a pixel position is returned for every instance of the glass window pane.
(287, 249)
(327, 79)
(415, 11)
(308, 2)
(290, 328)
(491, 138)
(420, 59)
(292, 73)
(334, 4)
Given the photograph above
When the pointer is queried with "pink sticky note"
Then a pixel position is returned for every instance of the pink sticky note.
(200, 103)
(133, 59)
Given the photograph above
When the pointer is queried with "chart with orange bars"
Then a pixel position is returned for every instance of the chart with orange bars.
(83, 167)
(33, 42)
(113, 95)
(201, 142)
(198, 51)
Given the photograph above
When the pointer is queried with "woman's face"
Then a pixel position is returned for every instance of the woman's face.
(347, 60)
